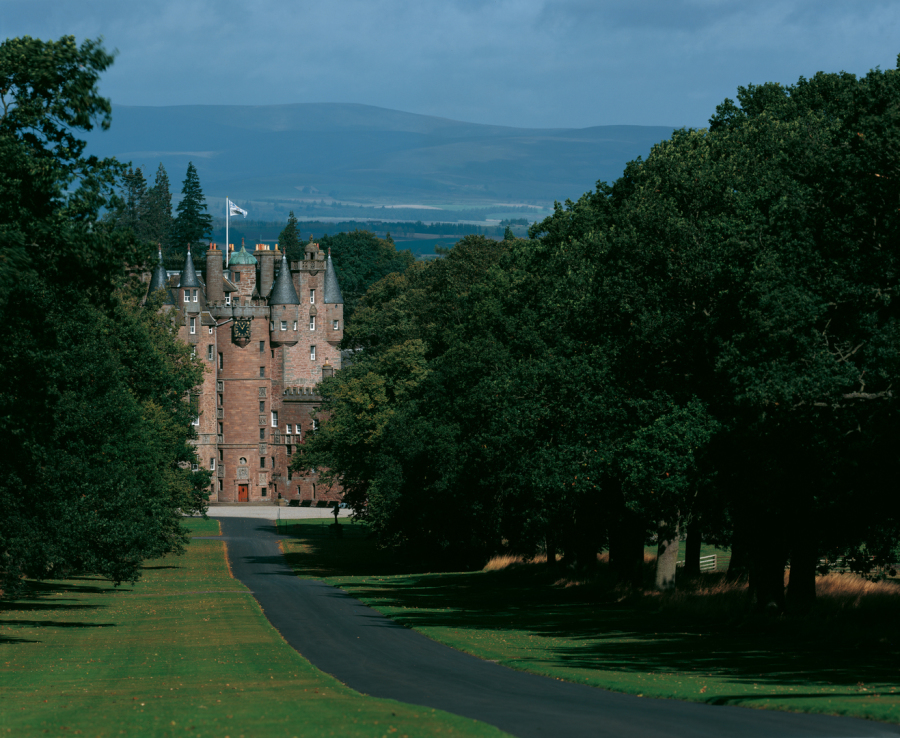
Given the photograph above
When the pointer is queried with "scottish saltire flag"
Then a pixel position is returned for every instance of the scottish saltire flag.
(235, 210)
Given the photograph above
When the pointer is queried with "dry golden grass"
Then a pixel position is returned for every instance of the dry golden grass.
(714, 595)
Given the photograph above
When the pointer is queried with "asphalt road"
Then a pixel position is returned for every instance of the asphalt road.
(375, 656)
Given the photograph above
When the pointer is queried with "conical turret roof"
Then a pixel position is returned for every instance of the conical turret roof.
(188, 274)
(333, 294)
(159, 278)
(283, 292)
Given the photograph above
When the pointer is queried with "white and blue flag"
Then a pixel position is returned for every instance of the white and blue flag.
(235, 210)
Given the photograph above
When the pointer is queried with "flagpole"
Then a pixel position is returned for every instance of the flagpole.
(226, 232)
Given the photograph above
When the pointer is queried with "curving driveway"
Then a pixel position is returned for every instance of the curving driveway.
(375, 656)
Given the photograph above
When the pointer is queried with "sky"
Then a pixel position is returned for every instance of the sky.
(528, 63)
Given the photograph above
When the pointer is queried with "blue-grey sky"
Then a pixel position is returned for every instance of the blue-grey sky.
(529, 63)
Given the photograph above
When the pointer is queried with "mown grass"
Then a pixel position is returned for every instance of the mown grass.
(186, 651)
(699, 644)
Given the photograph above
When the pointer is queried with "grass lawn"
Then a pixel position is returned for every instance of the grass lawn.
(185, 651)
(520, 618)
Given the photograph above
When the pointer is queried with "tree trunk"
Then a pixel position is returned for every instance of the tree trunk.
(801, 593)
(767, 578)
(666, 556)
(551, 551)
(739, 566)
(692, 550)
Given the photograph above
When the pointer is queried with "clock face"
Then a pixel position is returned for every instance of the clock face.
(241, 328)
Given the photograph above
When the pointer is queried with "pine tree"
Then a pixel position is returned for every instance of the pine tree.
(133, 213)
(158, 214)
(289, 240)
(193, 225)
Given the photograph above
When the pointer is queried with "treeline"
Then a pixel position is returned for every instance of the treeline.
(268, 230)
(94, 425)
(710, 345)
(147, 213)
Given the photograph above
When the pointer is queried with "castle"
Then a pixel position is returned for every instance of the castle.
(268, 331)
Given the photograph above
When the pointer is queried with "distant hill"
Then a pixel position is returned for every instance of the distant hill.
(367, 155)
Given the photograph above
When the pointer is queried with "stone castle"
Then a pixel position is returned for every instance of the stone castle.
(268, 331)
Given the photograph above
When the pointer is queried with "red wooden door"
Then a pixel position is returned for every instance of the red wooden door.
(243, 493)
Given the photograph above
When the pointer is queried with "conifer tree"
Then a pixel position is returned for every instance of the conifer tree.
(133, 213)
(289, 240)
(193, 224)
(158, 213)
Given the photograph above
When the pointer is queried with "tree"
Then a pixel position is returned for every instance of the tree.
(361, 259)
(92, 385)
(158, 216)
(289, 240)
(193, 225)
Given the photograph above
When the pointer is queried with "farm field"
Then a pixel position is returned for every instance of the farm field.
(842, 661)
(185, 651)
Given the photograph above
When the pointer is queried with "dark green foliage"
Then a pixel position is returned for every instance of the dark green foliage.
(713, 339)
(94, 427)
(158, 214)
(361, 259)
(193, 225)
(289, 240)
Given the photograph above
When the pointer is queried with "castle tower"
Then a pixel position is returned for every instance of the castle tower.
(215, 288)
(159, 278)
(189, 286)
(243, 274)
(284, 309)
(266, 259)
(334, 305)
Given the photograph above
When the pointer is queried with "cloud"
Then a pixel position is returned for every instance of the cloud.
(524, 63)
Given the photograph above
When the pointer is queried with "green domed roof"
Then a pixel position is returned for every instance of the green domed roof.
(242, 257)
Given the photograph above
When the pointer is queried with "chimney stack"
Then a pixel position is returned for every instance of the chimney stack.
(215, 290)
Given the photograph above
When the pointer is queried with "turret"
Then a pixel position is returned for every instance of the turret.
(158, 278)
(189, 286)
(334, 304)
(243, 274)
(215, 287)
(284, 309)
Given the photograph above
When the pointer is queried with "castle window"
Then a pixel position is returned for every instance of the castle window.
(295, 325)
(284, 325)
(195, 467)
(262, 346)
(220, 486)
(209, 352)
(221, 428)
(274, 419)
(312, 297)
(221, 455)
(273, 462)
(335, 325)
(221, 399)
(212, 464)
(312, 353)
(262, 406)
(210, 333)
(237, 276)
(221, 361)
(262, 371)
(288, 428)
(242, 461)
(263, 491)
(262, 462)
(193, 325)
(195, 295)
(262, 434)
(228, 299)
(272, 326)
(196, 420)
(187, 295)
(315, 426)
(312, 322)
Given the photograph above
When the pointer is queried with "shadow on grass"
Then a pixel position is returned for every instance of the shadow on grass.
(595, 628)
